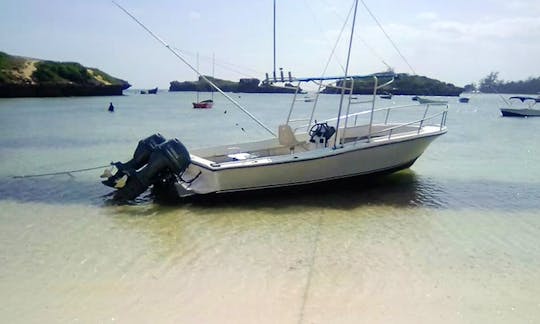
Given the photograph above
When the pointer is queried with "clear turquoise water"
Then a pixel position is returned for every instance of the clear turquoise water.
(453, 240)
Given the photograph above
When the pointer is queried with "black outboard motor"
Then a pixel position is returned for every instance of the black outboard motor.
(169, 157)
(140, 158)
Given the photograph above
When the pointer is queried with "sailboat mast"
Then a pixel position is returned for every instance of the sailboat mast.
(213, 71)
(274, 39)
(346, 71)
(198, 78)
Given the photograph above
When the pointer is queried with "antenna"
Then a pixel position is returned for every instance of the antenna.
(274, 40)
(346, 69)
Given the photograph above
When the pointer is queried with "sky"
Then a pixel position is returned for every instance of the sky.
(459, 41)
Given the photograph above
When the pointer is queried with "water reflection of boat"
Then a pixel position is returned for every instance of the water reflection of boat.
(321, 150)
(529, 110)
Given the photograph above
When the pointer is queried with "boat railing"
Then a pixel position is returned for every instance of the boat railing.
(391, 131)
(360, 113)
(420, 122)
(343, 84)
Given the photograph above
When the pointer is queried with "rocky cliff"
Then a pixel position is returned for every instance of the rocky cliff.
(244, 85)
(26, 77)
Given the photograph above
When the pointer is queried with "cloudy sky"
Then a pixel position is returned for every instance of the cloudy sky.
(455, 41)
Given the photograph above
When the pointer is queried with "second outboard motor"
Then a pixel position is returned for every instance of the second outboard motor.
(169, 157)
(140, 158)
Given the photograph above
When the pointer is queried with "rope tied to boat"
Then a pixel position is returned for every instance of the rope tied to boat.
(68, 172)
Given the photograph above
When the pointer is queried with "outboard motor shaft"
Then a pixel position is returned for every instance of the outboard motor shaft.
(169, 157)
(140, 158)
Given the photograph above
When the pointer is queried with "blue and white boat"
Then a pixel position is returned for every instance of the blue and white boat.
(526, 107)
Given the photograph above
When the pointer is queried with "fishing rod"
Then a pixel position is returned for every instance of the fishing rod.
(159, 39)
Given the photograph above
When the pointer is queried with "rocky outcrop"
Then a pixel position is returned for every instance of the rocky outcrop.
(247, 85)
(25, 77)
(404, 84)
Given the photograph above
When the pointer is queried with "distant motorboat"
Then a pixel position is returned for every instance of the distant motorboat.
(463, 99)
(307, 98)
(386, 96)
(205, 104)
(151, 91)
(415, 98)
(529, 111)
(431, 101)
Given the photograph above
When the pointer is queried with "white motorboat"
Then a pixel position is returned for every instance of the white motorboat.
(295, 156)
(354, 142)
(528, 109)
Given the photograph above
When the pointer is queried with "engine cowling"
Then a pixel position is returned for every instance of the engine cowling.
(169, 157)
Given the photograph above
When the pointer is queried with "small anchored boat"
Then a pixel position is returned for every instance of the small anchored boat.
(528, 108)
(151, 91)
(386, 96)
(205, 104)
(431, 101)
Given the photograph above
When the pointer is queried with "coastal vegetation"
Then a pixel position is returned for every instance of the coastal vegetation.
(26, 77)
(492, 84)
(404, 84)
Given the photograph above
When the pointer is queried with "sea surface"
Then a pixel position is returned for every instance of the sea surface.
(455, 239)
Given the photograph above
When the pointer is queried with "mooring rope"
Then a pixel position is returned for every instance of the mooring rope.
(310, 273)
(68, 172)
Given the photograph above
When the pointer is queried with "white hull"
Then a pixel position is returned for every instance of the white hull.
(317, 165)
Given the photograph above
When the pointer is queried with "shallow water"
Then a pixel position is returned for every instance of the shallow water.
(455, 239)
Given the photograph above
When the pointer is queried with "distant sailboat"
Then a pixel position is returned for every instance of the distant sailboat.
(209, 103)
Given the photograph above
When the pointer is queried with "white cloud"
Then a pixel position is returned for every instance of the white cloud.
(462, 51)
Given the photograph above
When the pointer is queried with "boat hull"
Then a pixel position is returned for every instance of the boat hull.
(300, 169)
(202, 105)
(525, 112)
